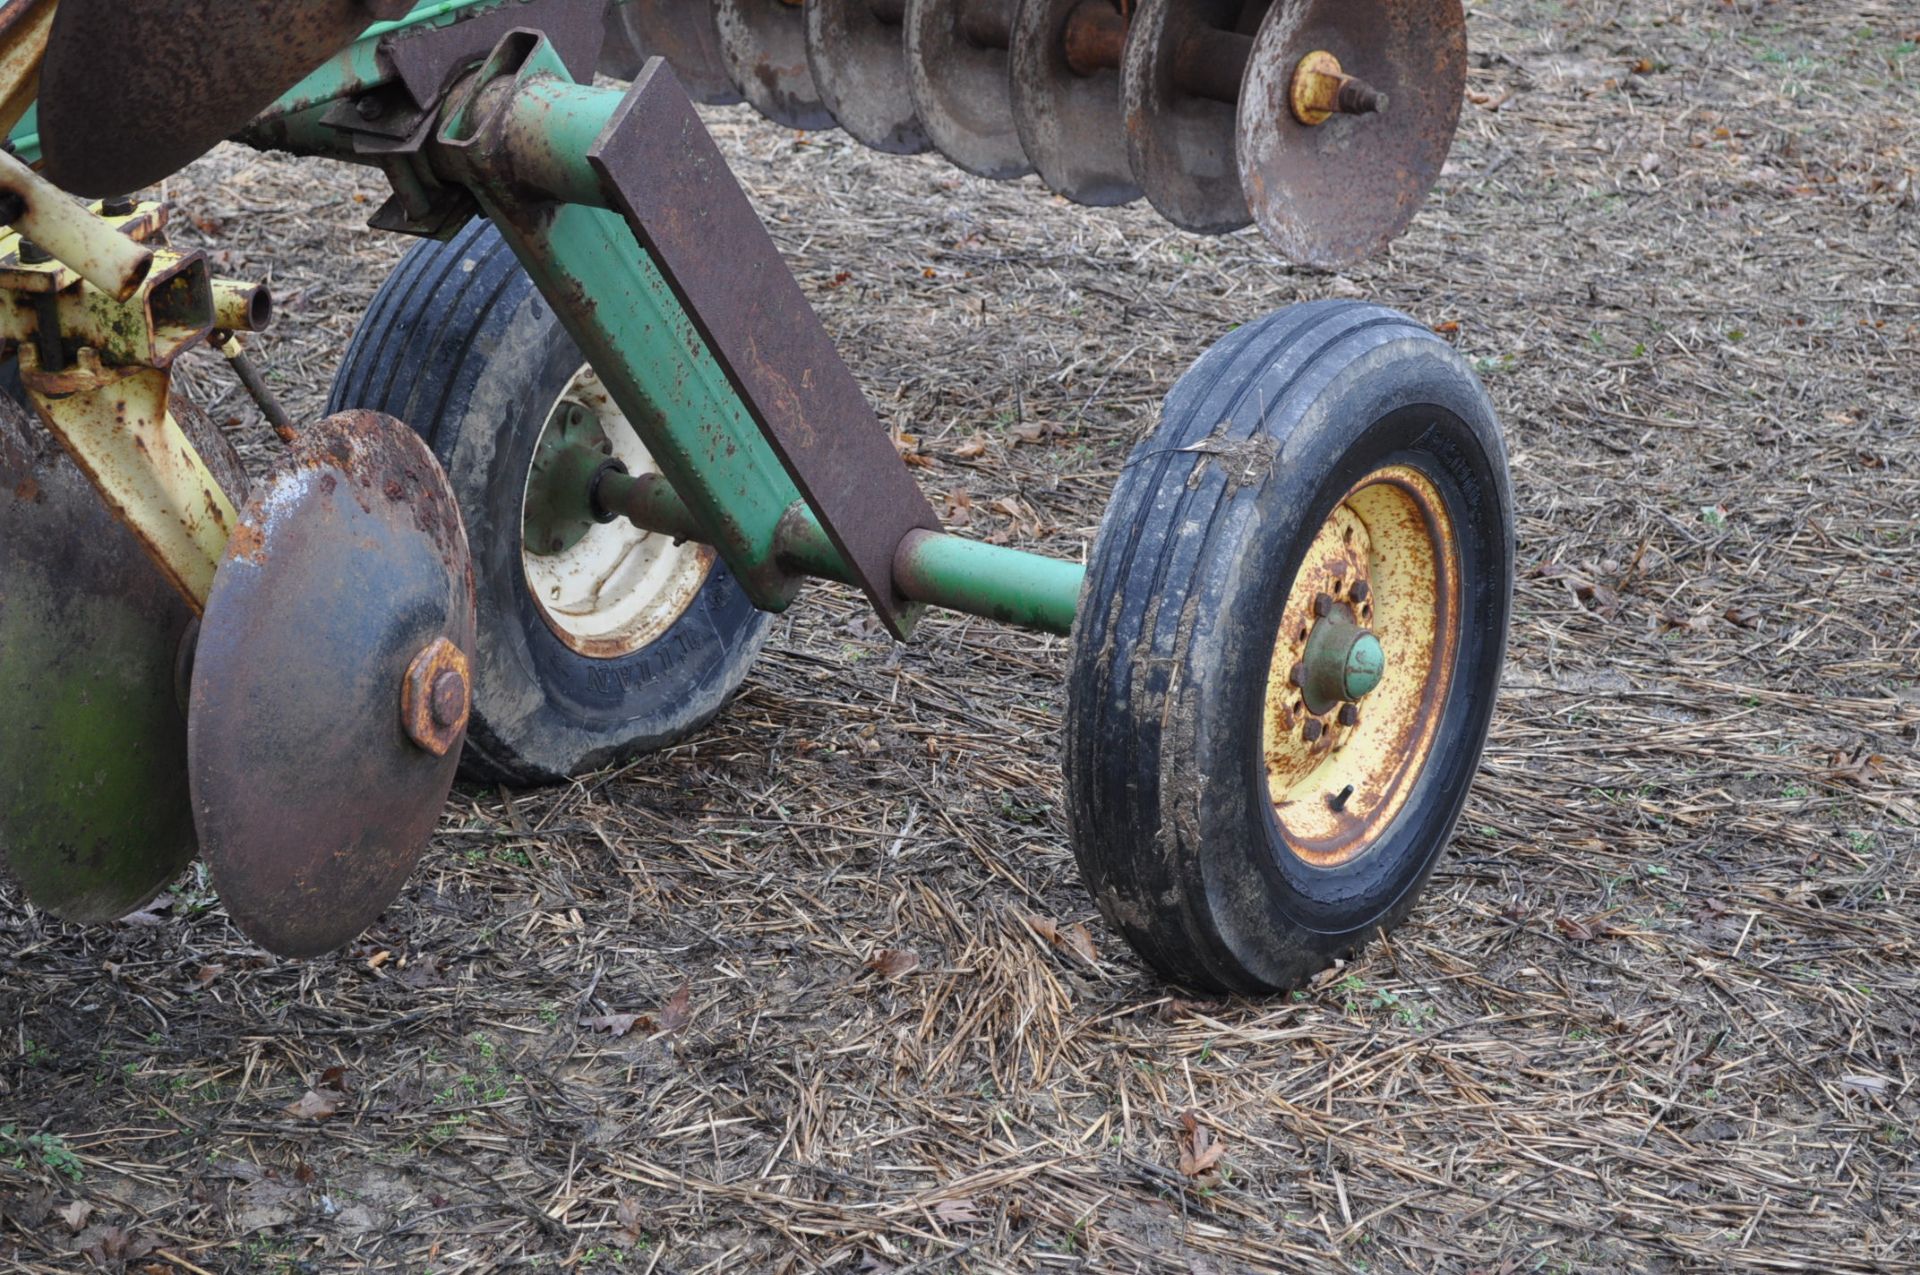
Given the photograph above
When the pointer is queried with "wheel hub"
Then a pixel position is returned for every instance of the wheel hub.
(1361, 665)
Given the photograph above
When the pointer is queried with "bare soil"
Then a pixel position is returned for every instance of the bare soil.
(783, 999)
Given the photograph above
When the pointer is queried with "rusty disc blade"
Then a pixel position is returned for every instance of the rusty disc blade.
(1331, 194)
(1069, 123)
(1180, 144)
(859, 63)
(311, 798)
(94, 816)
(957, 73)
(682, 32)
(764, 46)
(130, 93)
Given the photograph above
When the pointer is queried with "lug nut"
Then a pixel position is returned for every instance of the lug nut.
(1312, 730)
(1359, 591)
(1298, 676)
(1322, 604)
(1349, 715)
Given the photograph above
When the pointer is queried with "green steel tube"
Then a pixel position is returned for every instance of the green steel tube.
(1012, 586)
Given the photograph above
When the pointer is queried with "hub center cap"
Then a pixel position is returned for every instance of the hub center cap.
(1344, 662)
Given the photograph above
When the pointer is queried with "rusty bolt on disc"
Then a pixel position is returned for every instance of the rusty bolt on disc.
(436, 696)
(345, 593)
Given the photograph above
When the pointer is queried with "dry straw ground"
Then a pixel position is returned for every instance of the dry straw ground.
(1658, 1011)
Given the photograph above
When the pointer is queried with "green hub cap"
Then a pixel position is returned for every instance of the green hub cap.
(1344, 662)
(559, 512)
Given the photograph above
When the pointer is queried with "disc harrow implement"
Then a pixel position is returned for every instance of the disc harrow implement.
(591, 436)
(1322, 122)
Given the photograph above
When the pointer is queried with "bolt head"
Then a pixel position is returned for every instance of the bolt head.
(1322, 605)
(1359, 592)
(1312, 730)
(1349, 715)
(437, 696)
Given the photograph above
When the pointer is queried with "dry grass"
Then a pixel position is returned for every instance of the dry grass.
(1658, 1011)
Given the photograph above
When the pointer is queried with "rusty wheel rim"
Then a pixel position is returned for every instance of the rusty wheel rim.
(1386, 560)
(614, 588)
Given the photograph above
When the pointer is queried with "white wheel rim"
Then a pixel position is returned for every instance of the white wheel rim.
(619, 588)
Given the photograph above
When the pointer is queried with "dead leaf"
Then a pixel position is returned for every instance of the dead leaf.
(892, 962)
(1078, 939)
(1577, 931)
(112, 1244)
(627, 1214)
(972, 449)
(207, 973)
(316, 1104)
(1200, 1151)
(617, 1025)
(678, 1011)
(957, 1210)
(149, 915)
(75, 1215)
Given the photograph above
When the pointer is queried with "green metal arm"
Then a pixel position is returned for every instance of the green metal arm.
(535, 175)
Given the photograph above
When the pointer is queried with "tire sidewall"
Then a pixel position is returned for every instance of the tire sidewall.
(564, 711)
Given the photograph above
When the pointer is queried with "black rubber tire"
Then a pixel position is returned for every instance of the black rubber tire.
(1166, 790)
(460, 344)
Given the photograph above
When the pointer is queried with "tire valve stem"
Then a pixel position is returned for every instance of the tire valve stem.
(1338, 801)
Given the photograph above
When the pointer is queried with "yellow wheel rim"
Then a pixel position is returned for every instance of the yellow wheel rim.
(1385, 561)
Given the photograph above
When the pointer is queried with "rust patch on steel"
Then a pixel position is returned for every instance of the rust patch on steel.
(1331, 193)
(133, 92)
(311, 797)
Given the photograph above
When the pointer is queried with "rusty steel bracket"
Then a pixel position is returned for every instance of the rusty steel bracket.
(662, 171)
(115, 424)
(95, 366)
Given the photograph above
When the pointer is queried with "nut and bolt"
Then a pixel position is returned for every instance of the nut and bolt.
(1322, 605)
(1312, 730)
(1349, 715)
(1359, 592)
(1338, 801)
(437, 696)
(32, 254)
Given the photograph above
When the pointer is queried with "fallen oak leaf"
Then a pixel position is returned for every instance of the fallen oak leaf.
(75, 1215)
(617, 1025)
(1078, 939)
(957, 1210)
(678, 1011)
(893, 962)
(1200, 1151)
(316, 1104)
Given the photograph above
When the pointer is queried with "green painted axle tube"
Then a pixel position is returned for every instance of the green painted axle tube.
(1011, 586)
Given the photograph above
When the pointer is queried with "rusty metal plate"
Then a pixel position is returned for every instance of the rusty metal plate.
(682, 32)
(858, 52)
(1331, 194)
(957, 73)
(312, 800)
(94, 815)
(130, 93)
(689, 212)
(764, 46)
(1065, 80)
(1179, 143)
